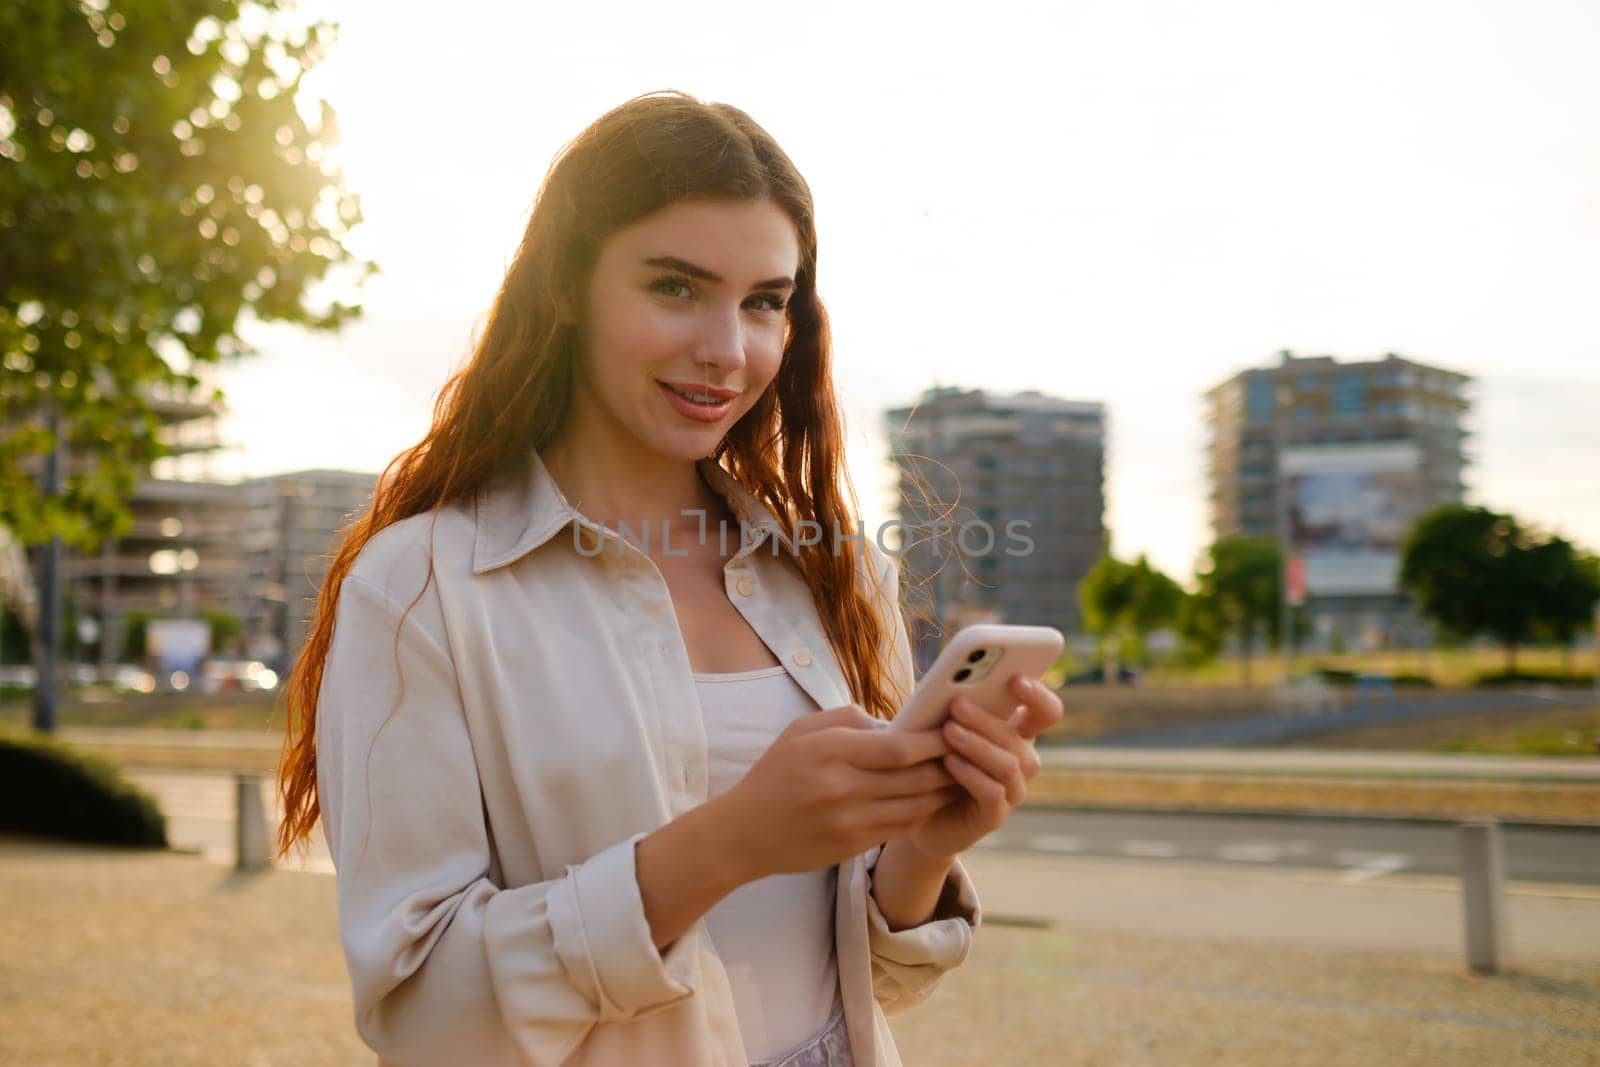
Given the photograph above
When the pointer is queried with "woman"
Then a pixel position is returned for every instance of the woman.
(602, 795)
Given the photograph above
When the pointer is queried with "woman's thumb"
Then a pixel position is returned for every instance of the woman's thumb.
(851, 715)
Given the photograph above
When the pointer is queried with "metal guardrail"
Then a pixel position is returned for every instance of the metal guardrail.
(1482, 851)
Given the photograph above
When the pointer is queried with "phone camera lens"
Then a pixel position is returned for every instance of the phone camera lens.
(963, 674)
(976, 656)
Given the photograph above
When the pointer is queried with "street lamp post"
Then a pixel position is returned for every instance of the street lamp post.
(44, 690)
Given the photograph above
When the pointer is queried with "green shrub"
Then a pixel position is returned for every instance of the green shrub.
(48, 789)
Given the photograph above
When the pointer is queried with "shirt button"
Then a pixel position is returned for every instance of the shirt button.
(745, 586)
(801, 658)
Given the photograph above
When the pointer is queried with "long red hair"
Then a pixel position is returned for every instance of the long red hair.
(513, 394)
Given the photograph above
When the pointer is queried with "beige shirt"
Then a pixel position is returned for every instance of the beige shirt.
(486, 768)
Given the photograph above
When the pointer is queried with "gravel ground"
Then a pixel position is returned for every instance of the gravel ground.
(121, 957)
(1064, 998)
(110, 957)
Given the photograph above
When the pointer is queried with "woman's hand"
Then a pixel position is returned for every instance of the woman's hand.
(992, 759)
(832, 785)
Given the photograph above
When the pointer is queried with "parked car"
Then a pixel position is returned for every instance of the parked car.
(246, 676)
(131, 676)
(1097, 676)
(20, 674)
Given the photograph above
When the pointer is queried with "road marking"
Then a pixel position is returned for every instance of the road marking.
(1251, 853)
(1360, 866)
(1161, 849)
(1055, 843)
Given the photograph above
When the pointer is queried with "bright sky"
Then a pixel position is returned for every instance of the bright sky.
(1114, 201)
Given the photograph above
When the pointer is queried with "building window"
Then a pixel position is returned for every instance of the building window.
(1258, 400)
(1349, 395)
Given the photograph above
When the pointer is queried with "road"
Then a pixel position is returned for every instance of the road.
(200, 810)
(200, 813)
(1357, 849)
(1335, 713)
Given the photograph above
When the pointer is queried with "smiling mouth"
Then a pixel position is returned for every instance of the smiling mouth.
(705, 399)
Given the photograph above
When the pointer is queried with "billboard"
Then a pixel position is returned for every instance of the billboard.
(178, 645)
(1350, 507)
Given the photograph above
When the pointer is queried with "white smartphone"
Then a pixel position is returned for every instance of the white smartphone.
(979, 663)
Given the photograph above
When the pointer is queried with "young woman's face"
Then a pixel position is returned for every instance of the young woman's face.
(684, 323)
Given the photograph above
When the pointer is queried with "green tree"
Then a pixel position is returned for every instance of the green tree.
(1475, 571)
(134, 637)
(225, 630)
(1126, 602)
(158, 188)
(1202, 630)
(16, 643)
(1566, 589)
(1105, 599)
(1240, 592)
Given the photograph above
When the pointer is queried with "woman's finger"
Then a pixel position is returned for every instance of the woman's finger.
(893, 812)
(883, 750)
(908, 781)
(994, 727)
(990, 794)
(1029, 758)
(996, 761)
(1001, 731)
(1041, 708)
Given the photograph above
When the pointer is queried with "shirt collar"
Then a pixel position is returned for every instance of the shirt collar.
(521, 508)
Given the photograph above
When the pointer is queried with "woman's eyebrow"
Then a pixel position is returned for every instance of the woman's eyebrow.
(683, 266)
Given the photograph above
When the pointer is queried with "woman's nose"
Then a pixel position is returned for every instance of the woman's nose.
(721, 341)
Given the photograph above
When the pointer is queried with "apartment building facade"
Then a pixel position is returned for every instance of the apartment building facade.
(1002, 501)
(290, 527)
(1337, 459)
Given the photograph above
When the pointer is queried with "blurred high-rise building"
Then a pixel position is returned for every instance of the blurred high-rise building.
(1002, 500)
(1338, 458)
(252, 552)
(179, 559)
(290, 524)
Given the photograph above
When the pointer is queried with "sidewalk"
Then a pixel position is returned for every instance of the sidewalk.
(146, 958)
(1156, 965)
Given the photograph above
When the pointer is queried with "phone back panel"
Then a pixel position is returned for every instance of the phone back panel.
(1007, 651)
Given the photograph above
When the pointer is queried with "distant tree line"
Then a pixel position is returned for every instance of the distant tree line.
(1470, 571)
(1480, 573)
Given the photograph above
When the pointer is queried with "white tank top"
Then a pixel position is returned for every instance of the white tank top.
(774, 935)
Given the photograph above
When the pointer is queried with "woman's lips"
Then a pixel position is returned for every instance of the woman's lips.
(693, 409)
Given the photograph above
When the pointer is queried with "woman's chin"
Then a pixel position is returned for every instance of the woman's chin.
(687, 446)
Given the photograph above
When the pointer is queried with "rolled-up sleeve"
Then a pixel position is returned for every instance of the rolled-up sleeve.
(908, 964)
(446, 966)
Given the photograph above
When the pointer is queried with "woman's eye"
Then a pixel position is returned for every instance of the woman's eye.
(673, 287)
(771, 303)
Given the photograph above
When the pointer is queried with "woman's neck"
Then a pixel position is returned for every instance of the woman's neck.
(615, 486)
